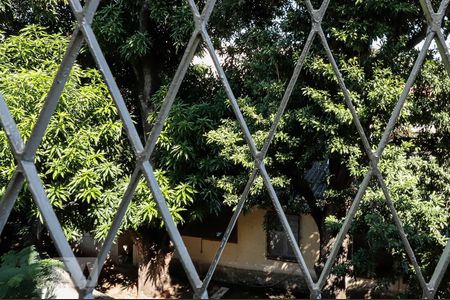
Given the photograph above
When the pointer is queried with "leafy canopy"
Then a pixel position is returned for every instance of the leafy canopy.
(84, 160)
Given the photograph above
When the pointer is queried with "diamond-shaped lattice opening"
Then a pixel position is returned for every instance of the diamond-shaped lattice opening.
(81, 159)
(26, 77)
(411, 171)
(234, 103)
(156, 186)
(24, 84)
(384, 139)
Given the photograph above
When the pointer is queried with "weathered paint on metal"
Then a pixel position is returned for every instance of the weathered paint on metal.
(25, 154)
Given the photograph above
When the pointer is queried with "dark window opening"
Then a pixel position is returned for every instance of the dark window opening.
(278, 246)
(212, 227)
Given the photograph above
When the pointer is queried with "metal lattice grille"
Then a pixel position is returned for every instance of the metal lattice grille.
(25, 153)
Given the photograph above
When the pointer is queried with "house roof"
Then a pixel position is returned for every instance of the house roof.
(316, 176)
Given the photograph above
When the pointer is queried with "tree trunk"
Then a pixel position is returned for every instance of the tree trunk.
(154, 255)
(147, 70)
(335, 286)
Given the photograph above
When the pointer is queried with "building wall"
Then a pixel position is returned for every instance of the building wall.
(249, 253)
(90, 247)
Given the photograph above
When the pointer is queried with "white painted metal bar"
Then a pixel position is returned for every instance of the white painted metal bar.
(178, 78)
(171, 94)
(439, 272)
(53, 96)
(234, 104)
(443, 50)
(9, 126)
(375, 158)
(26, 169)
(53, 225)
(228, 231)
(267, 143)
(108, 77)
(117, 222)
(287, 228)
(171, 228)
(347, 223)
(344, 230)
(9, 198)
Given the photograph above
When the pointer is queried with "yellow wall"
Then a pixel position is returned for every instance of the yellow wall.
(250, 251)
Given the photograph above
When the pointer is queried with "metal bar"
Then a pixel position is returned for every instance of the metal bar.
(32, 145)
(117, 222)
(254, 173)
(76, 7)
(380, 149)
(10, 197)
(248, 137)
(288, 93)
(53, 96)
(194, 10)
(230, 227)
(323, 8)
(347, 96)
(373, 159)
(309, 7)
(443, 7)
(52, 223)
(10, 127)
(440, 270)
(287, 227)
(409, 83)
(171, 94)
(443, 50)
(171, 228)
(267, 143)
(434, 21)
(17, 146)
(401, 231)
(38, 132)
(344, 229)
(237, 111)
(207, 10)
(114, 90)
(428, 10)
(148, 171)
(177, 80)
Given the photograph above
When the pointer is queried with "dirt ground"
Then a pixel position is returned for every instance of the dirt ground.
(121, 283)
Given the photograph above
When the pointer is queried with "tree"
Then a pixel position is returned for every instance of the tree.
(84, 160)
(25, 275)
(260, 50)
(261, 41)
(317, 126)
(55, 15)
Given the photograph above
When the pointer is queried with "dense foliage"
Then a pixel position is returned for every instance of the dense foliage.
(84, 160)
(318, 127)
(24, 275)
(201, 150)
